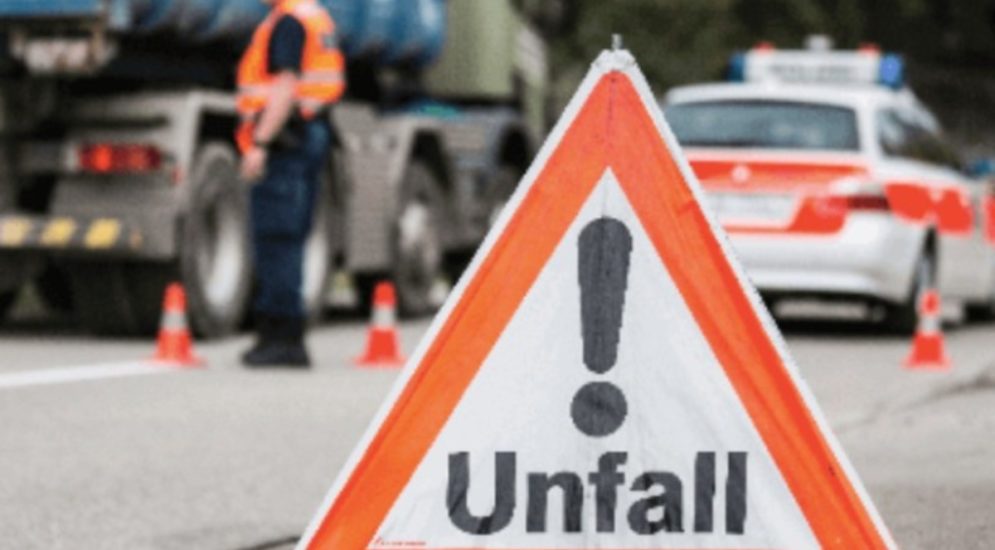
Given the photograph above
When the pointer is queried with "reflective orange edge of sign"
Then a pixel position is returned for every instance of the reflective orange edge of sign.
(612, 130)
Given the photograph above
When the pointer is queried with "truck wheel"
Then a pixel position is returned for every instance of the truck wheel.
(499, 190)
(502, 186)
(418, 251)
(214, 261)
(213, 265)
(903, 318)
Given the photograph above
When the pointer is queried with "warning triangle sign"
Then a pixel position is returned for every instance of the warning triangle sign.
(603, 376)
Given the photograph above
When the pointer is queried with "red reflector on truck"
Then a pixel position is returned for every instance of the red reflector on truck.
(105, 158)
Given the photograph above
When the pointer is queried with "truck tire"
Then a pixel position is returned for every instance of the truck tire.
(499, 189)
(125, 297)
(502, 185)
(215, 263)
(418, 249)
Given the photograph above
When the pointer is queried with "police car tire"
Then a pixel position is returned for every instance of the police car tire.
(982, 312)
(903, 318)
(215, 184)
(417, 272)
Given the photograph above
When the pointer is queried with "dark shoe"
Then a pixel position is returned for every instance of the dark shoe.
(280, 344)
(277, 354)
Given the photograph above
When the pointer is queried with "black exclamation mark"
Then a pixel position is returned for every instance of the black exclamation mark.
(599, 408)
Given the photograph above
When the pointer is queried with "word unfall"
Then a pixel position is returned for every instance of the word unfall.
(659, 505)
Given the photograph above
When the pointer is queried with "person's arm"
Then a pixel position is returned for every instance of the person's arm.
(279, 107)
(284, 63)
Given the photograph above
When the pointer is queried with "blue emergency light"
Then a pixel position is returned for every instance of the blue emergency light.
(891, 71)
(864, 66)
(736, 72)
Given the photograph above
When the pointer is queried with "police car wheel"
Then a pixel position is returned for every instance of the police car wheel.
(418, 250)
(982, 312)
(215, 262)
(903, 318)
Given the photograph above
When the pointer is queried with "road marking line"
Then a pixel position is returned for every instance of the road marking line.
(78, 374)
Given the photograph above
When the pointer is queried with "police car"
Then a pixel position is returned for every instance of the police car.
(834, 181)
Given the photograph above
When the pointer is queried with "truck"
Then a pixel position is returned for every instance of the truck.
(118, 171)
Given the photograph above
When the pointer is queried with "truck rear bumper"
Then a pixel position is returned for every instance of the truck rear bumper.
(71, 235)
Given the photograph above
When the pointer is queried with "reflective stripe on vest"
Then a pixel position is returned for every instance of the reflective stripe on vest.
(321, 80)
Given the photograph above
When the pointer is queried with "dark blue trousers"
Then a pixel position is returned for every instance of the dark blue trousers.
(282, 208)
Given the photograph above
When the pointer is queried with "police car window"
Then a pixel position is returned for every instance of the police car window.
(905, 135)
(892, 134)
(764, 124)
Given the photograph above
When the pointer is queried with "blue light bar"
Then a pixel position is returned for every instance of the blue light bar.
(736, 71)
(891, 71)
(835, 67)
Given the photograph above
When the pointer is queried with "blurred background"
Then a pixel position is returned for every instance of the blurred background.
(949, 45)
(98, 95)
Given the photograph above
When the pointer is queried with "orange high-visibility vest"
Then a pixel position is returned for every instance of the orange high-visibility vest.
(321, 81)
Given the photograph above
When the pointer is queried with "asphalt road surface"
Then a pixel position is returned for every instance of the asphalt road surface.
(225, 458)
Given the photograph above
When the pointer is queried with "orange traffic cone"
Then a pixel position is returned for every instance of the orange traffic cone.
(382, 348)
(175, 344)
(928, 350)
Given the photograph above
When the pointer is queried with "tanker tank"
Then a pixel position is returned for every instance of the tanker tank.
(387, 32)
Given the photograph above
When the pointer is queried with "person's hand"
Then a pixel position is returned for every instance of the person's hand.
(253, 164)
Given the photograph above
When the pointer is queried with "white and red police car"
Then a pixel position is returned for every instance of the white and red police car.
(834, 181)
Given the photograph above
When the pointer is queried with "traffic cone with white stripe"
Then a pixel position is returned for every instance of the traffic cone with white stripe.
(928, 349)
(175, 344)
(382, 347)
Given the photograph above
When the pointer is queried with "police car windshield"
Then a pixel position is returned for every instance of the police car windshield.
(764, 124)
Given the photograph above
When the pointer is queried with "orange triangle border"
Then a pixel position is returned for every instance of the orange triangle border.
(611, 130)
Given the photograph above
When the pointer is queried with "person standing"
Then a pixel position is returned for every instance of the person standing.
(288, 78)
